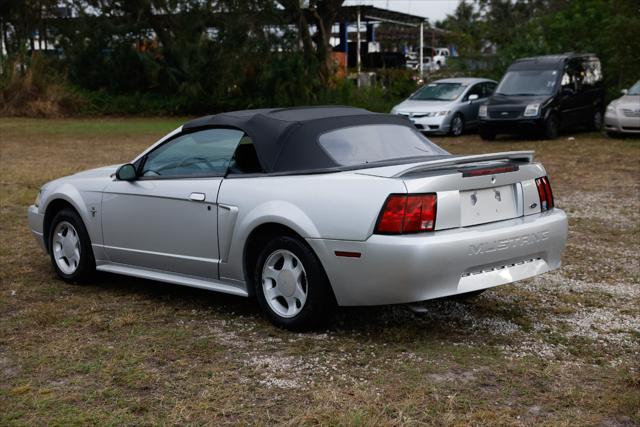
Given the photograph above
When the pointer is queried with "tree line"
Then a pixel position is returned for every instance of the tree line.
(507, 30)
(195, 56)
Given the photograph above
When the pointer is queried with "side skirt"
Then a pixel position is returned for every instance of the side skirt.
(176, 279)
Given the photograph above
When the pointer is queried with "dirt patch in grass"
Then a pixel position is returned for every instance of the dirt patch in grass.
(562, 348)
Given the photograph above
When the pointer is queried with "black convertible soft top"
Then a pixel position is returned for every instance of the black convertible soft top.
(286, 139)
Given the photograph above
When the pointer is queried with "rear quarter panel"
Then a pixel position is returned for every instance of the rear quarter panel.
(342, 206)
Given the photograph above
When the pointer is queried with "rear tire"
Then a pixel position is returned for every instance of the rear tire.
(551, 125)
(70, 247)
(596, 121)
(292, 288)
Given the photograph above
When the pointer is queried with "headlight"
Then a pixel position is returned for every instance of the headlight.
(482, 112)
(611, 109)
(532, 110)
(442, 113)
(394, 111)
(37, 202)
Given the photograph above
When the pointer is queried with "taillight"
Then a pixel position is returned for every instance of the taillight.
(488, 171)
(407, 213)
(545, 193)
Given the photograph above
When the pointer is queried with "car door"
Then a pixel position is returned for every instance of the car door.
(570, 91)
(167, 218)
(470, 107)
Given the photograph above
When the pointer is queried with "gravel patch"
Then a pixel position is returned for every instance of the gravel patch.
(618, 212)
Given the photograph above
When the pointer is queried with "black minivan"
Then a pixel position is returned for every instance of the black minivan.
(545, 94)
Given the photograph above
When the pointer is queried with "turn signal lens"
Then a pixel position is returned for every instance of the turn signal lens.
(407, 213)
(545, 193)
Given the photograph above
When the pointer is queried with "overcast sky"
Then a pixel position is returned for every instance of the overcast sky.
(435, 10)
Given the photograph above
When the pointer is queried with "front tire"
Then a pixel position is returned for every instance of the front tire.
(292, 288)
(457, 125)
(551, 125)
(70, 247)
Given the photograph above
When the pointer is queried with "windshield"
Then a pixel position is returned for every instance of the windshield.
(533, 82)
(439, 92)
(635, 89)
(359, 145)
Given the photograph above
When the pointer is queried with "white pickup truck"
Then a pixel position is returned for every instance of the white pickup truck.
(440, 56)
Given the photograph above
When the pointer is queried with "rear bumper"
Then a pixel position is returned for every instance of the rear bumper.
(412, 268)
(36, 225)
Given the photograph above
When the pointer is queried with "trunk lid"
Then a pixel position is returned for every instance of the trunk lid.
(473, 190)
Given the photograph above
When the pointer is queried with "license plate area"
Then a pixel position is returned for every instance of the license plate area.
(488, 205)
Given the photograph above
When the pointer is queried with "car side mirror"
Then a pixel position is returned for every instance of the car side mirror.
(624, 91)
(472, 97)
(126, 172)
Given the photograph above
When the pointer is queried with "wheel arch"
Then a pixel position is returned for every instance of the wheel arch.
(53, 207)
(258, 238)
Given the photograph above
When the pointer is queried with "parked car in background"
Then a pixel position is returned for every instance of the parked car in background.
(305, 208)
(545, 95)
(428, 66)
(623, 114)
(448, 106)
(440, 56)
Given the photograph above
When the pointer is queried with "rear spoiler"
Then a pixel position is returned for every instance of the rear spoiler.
(514, 156)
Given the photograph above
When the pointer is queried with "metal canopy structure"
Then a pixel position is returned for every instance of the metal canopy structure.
(376, 14)
(347, 15)
(371, 14)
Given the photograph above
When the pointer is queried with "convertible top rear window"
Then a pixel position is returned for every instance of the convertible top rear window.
(364, 144)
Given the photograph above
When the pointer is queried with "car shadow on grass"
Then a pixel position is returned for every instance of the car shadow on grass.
(176, 296)
(443, 319)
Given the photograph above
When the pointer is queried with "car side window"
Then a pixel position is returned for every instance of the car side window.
(592, 72)
(245, 158)
(572, 77)
(489, 88)
(204, 153)
(475, 90)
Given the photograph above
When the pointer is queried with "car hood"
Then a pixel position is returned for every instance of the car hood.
(627, 101)
(413, 106)
(103, 171)
(99, 174)
(516, 101)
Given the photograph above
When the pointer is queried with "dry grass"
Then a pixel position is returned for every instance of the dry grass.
(561, 349)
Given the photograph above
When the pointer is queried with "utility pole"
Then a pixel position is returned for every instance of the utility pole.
(358, 59)
(421, 43)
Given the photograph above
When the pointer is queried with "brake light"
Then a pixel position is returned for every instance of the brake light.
(407, 213)
(545, 193)
(488, 171)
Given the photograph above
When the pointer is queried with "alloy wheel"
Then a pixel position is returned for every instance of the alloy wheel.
(66, 247)
(457, 126)
(284, 283)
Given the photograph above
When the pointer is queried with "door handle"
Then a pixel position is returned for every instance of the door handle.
(198, 197)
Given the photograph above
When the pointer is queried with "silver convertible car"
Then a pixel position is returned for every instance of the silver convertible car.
(306, 209)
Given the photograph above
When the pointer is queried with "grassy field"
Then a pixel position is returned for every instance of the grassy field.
(561, 349)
